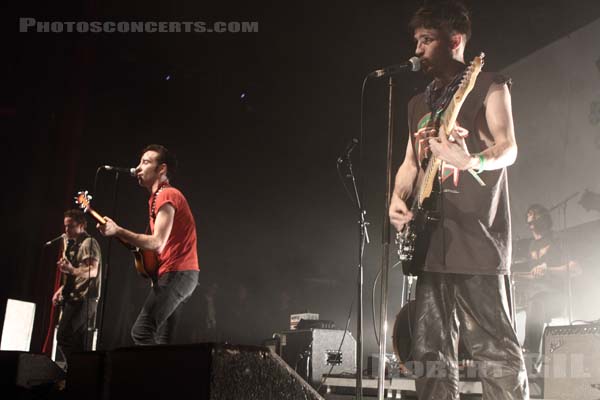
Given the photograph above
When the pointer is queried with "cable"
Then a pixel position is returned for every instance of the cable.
(373, 300)
(344, 183)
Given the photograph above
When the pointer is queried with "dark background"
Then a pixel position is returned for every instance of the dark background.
(277, 233)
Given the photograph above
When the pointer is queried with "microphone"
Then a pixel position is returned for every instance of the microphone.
(353, 143)
(414, 64)
(49, 242)
(128, 171)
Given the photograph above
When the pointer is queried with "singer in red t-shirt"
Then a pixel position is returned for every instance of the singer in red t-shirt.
(173, 237)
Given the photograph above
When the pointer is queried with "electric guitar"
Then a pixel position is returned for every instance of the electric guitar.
(413, 240)
(146, 261)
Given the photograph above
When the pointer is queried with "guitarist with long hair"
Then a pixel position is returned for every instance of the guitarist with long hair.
(547, 282)
(172, 236)
(462, 286)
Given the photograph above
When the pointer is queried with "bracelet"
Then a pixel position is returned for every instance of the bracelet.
(481, 163)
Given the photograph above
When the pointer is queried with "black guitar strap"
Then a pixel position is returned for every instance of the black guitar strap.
(437, 101)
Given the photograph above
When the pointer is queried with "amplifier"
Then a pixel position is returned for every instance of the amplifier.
(572, 362)
(315, 352)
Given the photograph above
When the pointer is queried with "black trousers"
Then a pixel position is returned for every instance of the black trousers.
(73, 334)
(476, 308)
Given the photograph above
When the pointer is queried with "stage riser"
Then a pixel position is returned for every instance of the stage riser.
(204, 371)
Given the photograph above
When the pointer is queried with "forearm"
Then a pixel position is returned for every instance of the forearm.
(147, 242)
(564, 270)
(90, 270)
(497, 156)
(405, 178)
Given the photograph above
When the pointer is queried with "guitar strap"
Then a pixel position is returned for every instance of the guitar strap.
(163, 185)
(153, 207)
(438, 99)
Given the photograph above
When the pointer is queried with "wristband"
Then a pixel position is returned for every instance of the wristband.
(481, 163)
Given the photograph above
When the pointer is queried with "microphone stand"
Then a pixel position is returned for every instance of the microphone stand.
(104, 278)
(563, 206)
(385, 258)
(363, 236)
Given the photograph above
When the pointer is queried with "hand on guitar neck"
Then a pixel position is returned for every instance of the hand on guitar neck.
(146, 261)
(66, 267)
(451, 147)
(109, 227)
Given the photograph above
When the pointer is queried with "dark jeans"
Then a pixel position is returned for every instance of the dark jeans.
(73, 334)
(158, 318)
(476, 307)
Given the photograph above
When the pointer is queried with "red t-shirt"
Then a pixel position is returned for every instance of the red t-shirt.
(180, 252)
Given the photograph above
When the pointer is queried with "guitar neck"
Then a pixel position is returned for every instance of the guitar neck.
(99, 218)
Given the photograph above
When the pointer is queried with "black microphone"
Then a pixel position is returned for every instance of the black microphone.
(128, 171)
(414, 64)
(49, 242)
(353, 143)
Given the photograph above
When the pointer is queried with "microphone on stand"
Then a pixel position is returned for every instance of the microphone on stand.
(353, 143)
(413, 64)
(49, 242)
(128, 171)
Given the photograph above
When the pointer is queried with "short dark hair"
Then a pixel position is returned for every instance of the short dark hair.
(447, 15)
(164, 157)
(78, 216)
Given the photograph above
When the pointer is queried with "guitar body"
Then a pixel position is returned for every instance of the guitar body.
(413, 241)
(146, 263)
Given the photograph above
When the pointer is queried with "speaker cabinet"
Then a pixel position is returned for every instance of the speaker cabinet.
(572, 362)
(28, 375)
(315, 352)
(202, 371)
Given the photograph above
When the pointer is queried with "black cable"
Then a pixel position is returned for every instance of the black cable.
(342, 179)
(373, 300)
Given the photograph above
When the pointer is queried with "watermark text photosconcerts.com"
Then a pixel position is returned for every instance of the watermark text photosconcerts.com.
(33, 25)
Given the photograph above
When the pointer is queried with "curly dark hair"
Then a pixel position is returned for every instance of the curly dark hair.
(542, 218)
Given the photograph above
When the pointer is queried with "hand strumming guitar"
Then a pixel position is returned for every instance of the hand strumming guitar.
(399, 212)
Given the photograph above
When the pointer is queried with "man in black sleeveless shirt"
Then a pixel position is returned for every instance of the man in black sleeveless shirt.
(464, 286)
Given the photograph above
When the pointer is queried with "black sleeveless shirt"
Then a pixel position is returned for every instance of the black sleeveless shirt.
(474, 236)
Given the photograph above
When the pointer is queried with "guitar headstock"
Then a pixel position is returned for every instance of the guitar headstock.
(470, 76)
(83, 200)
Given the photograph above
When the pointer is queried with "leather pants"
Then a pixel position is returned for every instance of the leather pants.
(475, 307)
